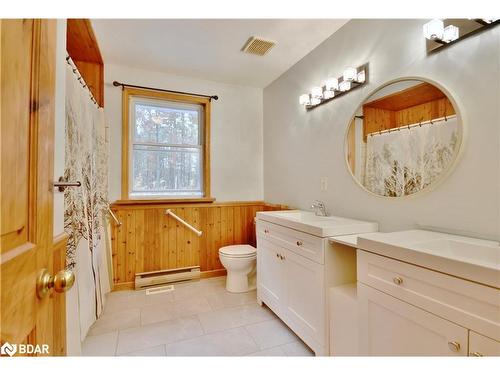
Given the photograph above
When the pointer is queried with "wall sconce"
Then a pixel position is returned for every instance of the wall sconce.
(441, 33)
(334, 87)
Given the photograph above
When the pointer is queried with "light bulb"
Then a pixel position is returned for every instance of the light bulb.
(450, 33)
(328, 94)
(433, 29)
(345, 86)
(315, 101)
(304, 99)
(361, 77)
(350, 74)
(332, 84)
(317, 92)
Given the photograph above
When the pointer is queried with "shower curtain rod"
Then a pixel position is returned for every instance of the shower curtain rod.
(210, 97)
(445, 118)
(73, 66)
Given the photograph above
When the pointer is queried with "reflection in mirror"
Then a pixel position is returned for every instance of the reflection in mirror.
(403, 138)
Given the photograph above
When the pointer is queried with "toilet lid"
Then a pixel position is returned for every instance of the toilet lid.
(238, 251)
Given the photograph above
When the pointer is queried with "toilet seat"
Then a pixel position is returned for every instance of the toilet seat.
(238, 251)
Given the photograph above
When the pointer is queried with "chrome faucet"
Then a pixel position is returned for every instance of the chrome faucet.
(320, 208)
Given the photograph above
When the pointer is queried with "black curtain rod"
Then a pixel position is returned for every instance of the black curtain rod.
(116, 84)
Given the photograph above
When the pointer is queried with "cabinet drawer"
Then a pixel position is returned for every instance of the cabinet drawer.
(300, 243)
(469, 304)
(480, 345)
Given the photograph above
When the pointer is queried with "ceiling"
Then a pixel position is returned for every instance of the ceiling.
(211, 48)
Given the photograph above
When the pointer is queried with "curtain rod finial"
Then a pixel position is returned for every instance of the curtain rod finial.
(214, 97)
(116, 83)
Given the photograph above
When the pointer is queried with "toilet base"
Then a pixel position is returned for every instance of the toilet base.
(237, 282)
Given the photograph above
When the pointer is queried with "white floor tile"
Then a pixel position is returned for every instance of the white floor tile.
(127, 299)
(112, 321)
(101, 345)
(271, 333)
(272, 352)
(225, 299)
(156, 351)
(233, 342)
(220, 320)
(151, 335)
(171, 310)
(297, 349)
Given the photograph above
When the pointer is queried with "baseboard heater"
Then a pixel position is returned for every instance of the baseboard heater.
(162, 277)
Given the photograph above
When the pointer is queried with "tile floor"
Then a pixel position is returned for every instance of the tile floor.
(196, 319)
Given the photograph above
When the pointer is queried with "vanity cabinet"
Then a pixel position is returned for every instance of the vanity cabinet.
(294, 272)
(405, 310)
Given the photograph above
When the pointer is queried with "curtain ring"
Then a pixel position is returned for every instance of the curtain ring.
(445, 118)
(408, 126)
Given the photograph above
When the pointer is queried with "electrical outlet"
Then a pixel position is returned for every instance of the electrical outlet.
(324, 184)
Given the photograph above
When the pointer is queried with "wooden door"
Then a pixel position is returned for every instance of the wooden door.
(305, 300)
(269, 275)
(481, 346)
(391, 327)
(27, 77)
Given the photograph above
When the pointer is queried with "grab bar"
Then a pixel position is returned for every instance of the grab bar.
(112, 214)
(169, 212)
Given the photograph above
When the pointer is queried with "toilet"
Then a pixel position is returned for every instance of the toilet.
(239, 261)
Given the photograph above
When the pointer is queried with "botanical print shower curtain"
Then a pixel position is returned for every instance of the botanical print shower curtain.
(405, 161)
(86, 160)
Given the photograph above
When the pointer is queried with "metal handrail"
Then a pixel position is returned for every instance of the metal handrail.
(198, 232)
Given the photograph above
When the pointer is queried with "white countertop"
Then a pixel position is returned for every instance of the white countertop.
(320, 226)
(469, 258)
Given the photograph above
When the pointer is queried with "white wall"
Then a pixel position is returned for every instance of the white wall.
(300, 147)
(236, 130)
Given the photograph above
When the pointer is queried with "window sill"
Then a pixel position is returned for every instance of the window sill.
(142, 202)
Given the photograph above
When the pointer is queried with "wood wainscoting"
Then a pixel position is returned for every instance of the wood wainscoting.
(150, 240)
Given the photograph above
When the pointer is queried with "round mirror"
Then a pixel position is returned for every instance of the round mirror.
(403, 138)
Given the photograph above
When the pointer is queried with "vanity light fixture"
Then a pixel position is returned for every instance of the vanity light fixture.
(335, 87)
(445, 32)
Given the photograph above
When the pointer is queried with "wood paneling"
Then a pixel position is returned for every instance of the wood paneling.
(422, 102)
(150, 240)
(83, 48)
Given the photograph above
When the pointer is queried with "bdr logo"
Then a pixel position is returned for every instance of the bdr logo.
(23, 349)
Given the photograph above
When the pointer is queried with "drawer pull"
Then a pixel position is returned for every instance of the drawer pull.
(454, 346)
(475, 354)
(266, 231)
(277, 255)
(299, 243)
(282, 257)
(397, 280)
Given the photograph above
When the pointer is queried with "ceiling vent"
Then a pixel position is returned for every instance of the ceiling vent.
(258, 46)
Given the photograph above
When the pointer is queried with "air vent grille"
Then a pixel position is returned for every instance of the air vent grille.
(258, 46)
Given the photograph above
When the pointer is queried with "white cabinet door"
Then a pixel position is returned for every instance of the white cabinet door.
(269, 275)
(389, 326)
(305, 298)
(480, 345)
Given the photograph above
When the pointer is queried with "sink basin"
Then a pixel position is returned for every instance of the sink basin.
(470, 258)
(484, 254)
(321, 226)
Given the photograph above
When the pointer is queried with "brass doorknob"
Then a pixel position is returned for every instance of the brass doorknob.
(454, 346)
(61, 282)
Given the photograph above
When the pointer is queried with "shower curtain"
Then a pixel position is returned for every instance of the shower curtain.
(405, 161)
(86, 160)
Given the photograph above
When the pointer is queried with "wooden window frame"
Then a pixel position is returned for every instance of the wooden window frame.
(127, 94)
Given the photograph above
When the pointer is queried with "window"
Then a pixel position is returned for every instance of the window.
(166, 147)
